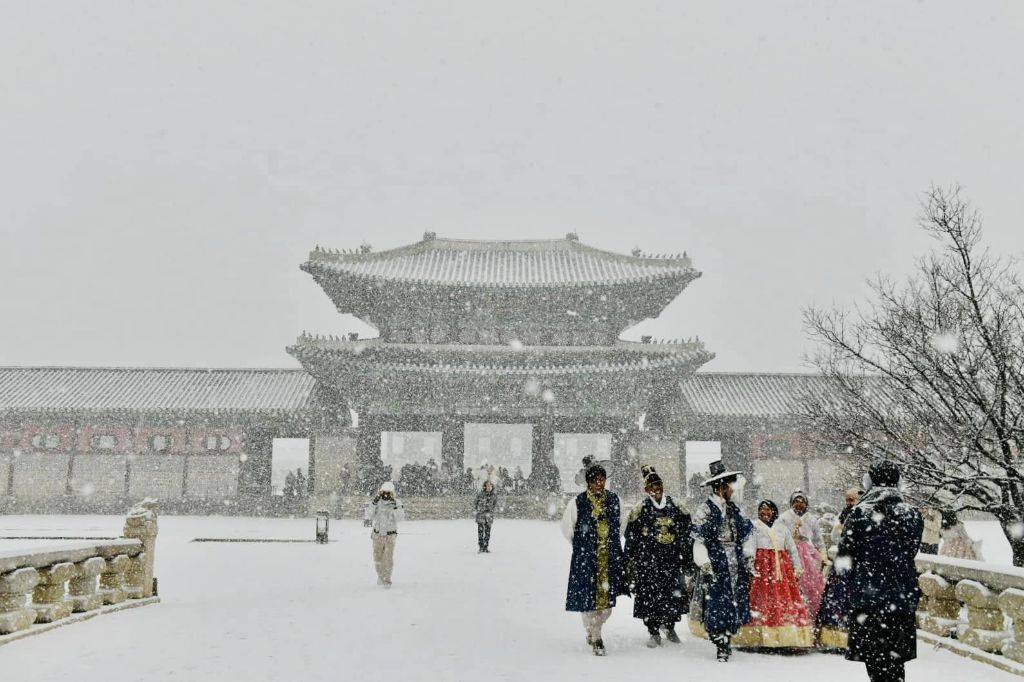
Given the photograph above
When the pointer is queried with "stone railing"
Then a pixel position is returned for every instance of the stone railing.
(979, 605)
(44, 586)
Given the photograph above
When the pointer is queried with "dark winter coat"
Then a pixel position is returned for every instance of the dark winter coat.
(484, 506)
(881, 537)
(725, 609)
(581, 594)
(659, 551)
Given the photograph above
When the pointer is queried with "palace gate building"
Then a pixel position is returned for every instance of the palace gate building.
(519, 333)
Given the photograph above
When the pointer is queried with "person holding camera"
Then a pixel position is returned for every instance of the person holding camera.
(383, 515)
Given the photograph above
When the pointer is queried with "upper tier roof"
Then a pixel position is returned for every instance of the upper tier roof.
(537, 263)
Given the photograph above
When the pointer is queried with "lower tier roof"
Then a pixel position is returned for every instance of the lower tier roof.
(147, 389)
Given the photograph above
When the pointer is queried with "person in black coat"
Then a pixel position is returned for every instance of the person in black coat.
(484, 506)
(880, 539)
(659, 553)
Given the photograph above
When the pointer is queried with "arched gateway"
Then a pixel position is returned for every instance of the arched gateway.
(521, 332)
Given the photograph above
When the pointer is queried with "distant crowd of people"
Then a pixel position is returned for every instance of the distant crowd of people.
(430, 479)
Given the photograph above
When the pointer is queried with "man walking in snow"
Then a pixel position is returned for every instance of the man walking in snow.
(659, 553)
(591, 523)
(383, 515)
(881, 537)
(720, 532)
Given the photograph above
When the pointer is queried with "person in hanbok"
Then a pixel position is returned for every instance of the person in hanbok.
(804, 528)
(721, 598)
(778, 614)
(956, 542)
(591, 524)
(659, 554)
(831, 621)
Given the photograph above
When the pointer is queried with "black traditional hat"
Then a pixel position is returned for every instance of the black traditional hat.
(718, 473)
(651, 476)
(592, 467)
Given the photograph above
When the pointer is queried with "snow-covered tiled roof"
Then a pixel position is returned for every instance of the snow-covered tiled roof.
(553, 262)
(151, 388)
(704, 395)
(753, 394)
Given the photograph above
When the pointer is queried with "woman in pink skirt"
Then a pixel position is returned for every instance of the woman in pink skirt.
(804, 528)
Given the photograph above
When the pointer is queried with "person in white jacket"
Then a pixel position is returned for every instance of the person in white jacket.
(383, 515)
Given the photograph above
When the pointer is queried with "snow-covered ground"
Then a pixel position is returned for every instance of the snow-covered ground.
(311, 612)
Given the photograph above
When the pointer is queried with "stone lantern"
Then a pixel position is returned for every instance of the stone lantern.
(323, 519)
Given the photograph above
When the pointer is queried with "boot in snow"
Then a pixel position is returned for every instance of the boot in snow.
(670, 634)
(598, 647)
(655, 640)
(724, 650)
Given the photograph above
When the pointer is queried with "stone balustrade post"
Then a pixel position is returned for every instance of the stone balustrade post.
(15, 597)
(49, 599)
(82, 587)
(942, 617)
(141, 525)
(113, 587)
(986, 625)
(1011, 603)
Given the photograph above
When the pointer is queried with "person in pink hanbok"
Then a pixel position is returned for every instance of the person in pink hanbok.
(809, 544)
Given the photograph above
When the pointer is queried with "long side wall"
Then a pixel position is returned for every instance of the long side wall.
(198, 463)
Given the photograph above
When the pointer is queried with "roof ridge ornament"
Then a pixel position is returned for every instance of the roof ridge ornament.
(365, 247)
(429, 236)
(572, 237)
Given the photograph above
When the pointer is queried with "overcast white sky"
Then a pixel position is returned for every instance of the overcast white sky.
(165, 167)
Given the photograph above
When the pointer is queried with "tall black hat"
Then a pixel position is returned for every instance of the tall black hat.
(719, 473)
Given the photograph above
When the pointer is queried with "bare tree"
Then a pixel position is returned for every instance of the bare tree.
(930, 373)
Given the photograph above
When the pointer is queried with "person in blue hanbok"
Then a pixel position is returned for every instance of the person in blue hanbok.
(591, 522)
(723, 549)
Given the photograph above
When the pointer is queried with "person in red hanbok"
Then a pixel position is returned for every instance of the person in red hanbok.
(803, 525)
(778, 614)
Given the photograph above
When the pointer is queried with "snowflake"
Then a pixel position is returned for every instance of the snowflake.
(945, 342)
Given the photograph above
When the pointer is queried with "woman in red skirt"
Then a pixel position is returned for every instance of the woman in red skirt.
(779, 616)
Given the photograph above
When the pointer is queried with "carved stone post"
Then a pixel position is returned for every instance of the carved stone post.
(1011, 602)
(15, 594)
(49, 599)
(986, 629)
(141, 525)
(943, 605)
(113, 588)
(82, 586)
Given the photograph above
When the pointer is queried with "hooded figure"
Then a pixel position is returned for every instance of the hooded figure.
(591, 523)
(803, 525)
(659, 554)
(383, 515)
(723, 549)
(484, 505)
(881, 537)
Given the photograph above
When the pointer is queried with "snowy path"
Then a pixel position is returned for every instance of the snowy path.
(305, 612)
